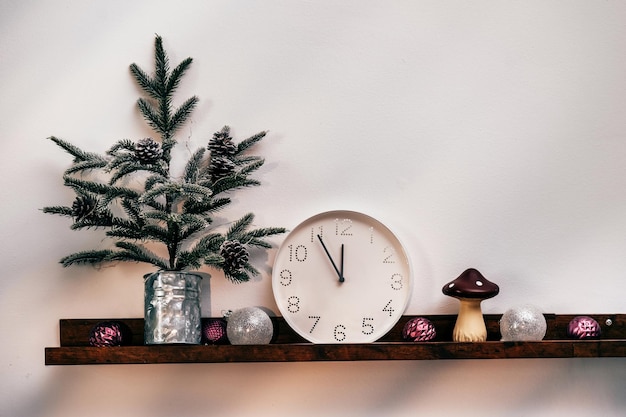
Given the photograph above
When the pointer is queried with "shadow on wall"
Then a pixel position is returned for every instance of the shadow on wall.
(401, 388)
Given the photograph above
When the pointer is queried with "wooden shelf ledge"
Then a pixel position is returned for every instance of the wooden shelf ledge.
(289, 347)
(349, 352)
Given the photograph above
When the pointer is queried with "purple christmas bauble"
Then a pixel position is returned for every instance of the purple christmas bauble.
(583, 327)
(419, 329)
(108, 333)
(214, 332)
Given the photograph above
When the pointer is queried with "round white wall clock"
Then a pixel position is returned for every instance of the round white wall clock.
(341, 277)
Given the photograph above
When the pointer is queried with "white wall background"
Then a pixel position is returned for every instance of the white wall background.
(487, 134)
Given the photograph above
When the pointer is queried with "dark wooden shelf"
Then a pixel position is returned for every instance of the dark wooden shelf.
(287, 346)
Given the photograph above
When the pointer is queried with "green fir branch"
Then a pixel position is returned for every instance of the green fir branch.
(120, 160)
(195, 192)
(247, 159)
(78, 154)
(122, 145)
(132, 210)
(155, 180)
(93, 222)
(152, 116)
(177, 75)
(161, 65)
(254, 237)
(232, 182)
(169, 188)
(214, 260)
(130, 167)
(121, 232)
(130, 227)
(185, 260)
(137, 253)
(92, 257)
(241, 276)
(60, 210)
(194, 166)
(159, 216)
(182, 113)
(159, 233)
(247, 143)
(238, 228)
(192, 223)
(87, 165)
(190, 229)
(144, 80)
(251, 167)
(259, 243)
(210, 206)
(99, 188)
(203, 250)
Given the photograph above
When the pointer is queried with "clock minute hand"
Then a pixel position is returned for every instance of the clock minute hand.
(339, 273)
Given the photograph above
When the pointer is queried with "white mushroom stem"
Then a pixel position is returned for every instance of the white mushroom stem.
(470, 324)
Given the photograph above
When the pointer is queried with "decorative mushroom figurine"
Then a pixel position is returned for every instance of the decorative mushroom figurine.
(470, 288)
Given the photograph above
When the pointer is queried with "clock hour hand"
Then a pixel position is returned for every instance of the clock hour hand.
(339, 273)
(341, 278)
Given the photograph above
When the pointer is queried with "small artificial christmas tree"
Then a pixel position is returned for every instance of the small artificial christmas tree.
(175, 213)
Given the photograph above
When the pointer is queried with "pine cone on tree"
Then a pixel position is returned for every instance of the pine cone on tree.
(220, 167)
(148, 151)
(235, 256)
(222, 144)
(83, 207)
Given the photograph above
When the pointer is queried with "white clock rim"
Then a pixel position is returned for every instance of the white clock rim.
(341, 212)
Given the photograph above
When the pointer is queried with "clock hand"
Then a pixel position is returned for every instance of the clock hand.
(339, 273)
(341, 278)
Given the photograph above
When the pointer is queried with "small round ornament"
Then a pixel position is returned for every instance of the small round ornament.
(249, 326)
(419, 329)
(109, 333)
(214, 332)
(523, 323)
(583, 327)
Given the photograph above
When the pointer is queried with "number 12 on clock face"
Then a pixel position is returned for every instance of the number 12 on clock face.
(341, 277)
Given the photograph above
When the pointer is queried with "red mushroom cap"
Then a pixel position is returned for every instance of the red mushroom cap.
(471, 284)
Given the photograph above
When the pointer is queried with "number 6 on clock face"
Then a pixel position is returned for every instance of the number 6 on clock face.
(341, 277)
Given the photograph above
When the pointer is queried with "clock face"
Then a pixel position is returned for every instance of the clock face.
(341, 277)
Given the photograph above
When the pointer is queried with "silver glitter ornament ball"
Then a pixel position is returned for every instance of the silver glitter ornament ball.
(523, 323)
(583, 327)
(249, 326)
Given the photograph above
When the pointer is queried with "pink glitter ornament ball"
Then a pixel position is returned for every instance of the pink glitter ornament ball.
(419, 329)
(214, 332)
(583, 327)
(109, 333)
